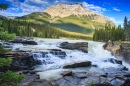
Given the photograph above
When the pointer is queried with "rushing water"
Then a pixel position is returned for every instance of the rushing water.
(53, 65)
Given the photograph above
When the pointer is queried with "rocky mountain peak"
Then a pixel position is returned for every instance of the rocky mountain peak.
(64, 10)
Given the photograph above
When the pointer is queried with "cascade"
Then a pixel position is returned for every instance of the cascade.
(51, 62)
(97, 55)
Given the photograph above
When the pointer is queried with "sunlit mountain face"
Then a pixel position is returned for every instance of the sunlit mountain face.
(116, 10)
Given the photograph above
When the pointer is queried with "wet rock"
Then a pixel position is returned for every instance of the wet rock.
(21, 60)
(90, 80)
(7, 45)
(38, 62)
(114, 61)
(25, 71)
(32, 72)
(60, 54)
(72, 80)
(45, 54)
(28, 41)
(42, 83)
(117, 82)
(119, 49)
(78, 64)
(127, 83)
(54, 49)
(127, 75)
(114, 47)
(81, 79)
(33, 80)
(63, 82)
(67, 73)
(28, 80)
(80, 75)
(83, 46)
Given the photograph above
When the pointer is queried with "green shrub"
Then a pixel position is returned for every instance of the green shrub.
(2, 50)
(92, 84)
(7, 78)
(5, 62)
(10, 78)
(4, 35)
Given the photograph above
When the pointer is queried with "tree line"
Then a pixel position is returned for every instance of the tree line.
(30, 29)
(109, 33)
(127, 28)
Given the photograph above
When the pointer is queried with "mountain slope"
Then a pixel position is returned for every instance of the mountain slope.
(74, 18)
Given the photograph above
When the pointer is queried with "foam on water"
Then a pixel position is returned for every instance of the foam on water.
(96, 54)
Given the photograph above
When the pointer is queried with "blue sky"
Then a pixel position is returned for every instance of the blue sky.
(116, 10)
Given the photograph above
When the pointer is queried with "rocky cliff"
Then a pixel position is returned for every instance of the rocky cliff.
(119, 49)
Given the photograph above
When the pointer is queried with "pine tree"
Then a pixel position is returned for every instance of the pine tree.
(125, 23)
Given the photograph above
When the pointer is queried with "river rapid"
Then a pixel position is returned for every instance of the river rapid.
(52, 65)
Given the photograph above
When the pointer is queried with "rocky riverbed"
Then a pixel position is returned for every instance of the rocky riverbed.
(79, 63)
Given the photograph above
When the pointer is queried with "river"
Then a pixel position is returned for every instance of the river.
(53, 65)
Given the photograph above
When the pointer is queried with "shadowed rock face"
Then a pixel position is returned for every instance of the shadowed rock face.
(83, 46)
(118, 49)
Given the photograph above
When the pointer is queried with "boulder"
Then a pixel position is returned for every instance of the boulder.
(28, 41)
(114, 61)
(127, 83)
(114, 47)
(78, 64)
(56, 52)
(67, 73)
(21, 60)
(80, 75)
(83, 46)
(119, 49)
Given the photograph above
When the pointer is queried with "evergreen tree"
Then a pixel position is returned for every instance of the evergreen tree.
(109, 33)
(125, 23)
(3, 6)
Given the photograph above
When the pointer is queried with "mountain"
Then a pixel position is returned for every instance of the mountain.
(74, 18)
(2, 17)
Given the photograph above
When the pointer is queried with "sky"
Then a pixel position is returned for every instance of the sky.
(115, 10)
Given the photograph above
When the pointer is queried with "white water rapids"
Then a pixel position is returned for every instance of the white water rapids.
(54, 65)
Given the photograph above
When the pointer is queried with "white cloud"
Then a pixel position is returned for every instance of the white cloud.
(97, 9)
(8, 13)
(29, 6)
(36, 2)
(14, 9)
(117, 22)
(16, 3)
(116, 9)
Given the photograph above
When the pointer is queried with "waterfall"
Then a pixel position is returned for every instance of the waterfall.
(52, 62)
(97, 55)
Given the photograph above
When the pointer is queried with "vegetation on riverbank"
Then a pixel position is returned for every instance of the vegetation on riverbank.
(109, 33)
(7, 77)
